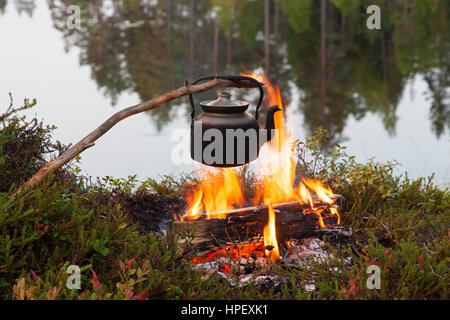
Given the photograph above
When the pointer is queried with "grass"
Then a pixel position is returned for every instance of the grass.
(400, 225)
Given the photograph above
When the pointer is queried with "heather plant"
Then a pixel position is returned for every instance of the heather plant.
(25, 146)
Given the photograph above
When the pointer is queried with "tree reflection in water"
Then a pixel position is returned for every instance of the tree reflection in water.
(323, 47)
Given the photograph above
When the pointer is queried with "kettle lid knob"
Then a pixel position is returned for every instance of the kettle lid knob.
(224, 94)
(223, 100)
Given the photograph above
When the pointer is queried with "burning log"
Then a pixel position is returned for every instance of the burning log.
(292, 205)
(293, 221)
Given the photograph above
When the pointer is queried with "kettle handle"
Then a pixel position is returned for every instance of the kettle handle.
(238, 79)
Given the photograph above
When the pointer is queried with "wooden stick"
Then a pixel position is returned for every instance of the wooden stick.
(89, 140)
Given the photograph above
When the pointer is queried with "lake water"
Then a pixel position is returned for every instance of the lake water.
(383, 93)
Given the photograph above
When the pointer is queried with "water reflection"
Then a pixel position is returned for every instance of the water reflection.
(323, 47)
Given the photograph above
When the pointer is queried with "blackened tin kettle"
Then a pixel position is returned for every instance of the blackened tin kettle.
(225, 134)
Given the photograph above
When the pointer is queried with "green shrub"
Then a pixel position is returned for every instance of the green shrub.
(25, 146)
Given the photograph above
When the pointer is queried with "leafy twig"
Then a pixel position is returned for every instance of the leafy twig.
(11, 110)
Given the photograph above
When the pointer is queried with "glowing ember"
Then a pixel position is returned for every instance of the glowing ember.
(231, 256)
(234, 252)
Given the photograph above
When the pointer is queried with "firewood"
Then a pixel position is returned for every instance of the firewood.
(292, 222)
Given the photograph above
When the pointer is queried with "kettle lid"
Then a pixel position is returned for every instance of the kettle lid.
(223, 100)
(223, 104)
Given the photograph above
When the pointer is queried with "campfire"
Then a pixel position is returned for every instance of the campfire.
(284, 209)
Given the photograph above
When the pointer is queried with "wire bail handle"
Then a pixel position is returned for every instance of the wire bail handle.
(238, 79)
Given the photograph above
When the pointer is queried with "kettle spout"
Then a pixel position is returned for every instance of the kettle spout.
(270, 121)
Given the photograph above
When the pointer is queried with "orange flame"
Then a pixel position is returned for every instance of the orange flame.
(196, 207)
(218, 191)
(276, 164)
(336, 213)
(270, 237)
(317, 187)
